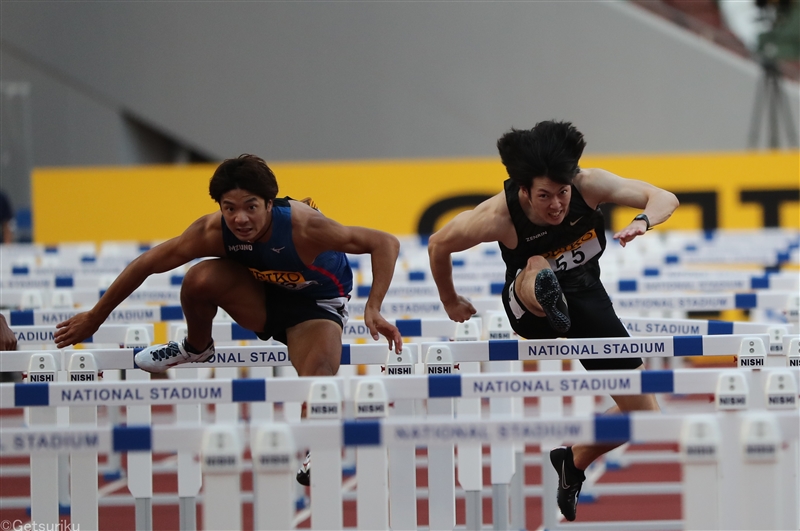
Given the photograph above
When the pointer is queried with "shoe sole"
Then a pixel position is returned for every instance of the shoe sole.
(548, 293)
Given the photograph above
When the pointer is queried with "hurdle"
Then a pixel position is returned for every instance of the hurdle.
(235, 356)
(763, 433)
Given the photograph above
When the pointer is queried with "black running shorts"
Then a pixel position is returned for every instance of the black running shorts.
(592, 315)
(286, 309)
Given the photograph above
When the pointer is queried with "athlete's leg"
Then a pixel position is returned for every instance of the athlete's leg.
(525, 284)
(315, 347)
(225, 284)
(585, 454)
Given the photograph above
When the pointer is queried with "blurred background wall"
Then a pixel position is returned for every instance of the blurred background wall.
(128, 83)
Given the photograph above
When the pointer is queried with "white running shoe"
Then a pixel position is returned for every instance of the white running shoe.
(159, 358)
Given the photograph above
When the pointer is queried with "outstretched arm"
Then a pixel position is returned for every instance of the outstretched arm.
(488, 222)
(322, 234)
(195, 242)
(600, 186)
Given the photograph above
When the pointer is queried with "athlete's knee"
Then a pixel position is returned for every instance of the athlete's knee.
(200, 277)
(537, 263)
(317, 367)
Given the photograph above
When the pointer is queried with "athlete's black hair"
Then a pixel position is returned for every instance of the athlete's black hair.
(551, 149)
(246, 172)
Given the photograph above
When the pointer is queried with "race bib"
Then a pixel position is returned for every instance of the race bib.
(575, 254)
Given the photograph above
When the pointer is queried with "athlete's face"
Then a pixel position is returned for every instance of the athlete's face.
(247, 215)
(549, 201)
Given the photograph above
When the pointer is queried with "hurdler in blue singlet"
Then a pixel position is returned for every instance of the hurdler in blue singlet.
(276, 260)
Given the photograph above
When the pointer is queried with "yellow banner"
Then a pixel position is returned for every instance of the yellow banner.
(150, 203)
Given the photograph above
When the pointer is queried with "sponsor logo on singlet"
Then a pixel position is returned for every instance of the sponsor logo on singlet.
(535, 236)
(287, 279)
(240, 247)
(574, 254)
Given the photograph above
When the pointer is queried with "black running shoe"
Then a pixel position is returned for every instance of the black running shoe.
(567, 496)
(551, 299)
(304, 473)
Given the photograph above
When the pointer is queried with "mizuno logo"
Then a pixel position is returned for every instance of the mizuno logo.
(278, 249)
(572, 223)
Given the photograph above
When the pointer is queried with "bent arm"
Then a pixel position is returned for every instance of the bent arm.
(488, 222)
(601, 186)
(323, 234)
(195, 242)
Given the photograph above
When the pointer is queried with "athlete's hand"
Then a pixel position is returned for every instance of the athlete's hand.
(636, 228)
(378, 325)
(459, 309)
(76, 329)
(8, 341)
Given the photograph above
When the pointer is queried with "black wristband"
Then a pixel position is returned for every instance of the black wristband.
(644, 218)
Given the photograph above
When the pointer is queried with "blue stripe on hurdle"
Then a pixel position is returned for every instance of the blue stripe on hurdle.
(416, 275)
(246, 390)
(345, 354)
(171, 313)
(19, 270)
(503, 350)
(658, 382)
(651, 272)
(783, 257)
(65, 282)
(363, 291)
(720, 328)
(627, 285)
(612, 428)
(444, 385)
(31, 394)
(21, 318)
(176, 280)
(496, 288)
(759, 282)
(687, 345)
(671, 259)
(409, 327)
(361, 433)
(238, 332)
(132, 438)
(745, 300)
(459, 262)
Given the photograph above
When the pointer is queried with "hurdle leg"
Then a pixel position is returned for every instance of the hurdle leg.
(83, 475)
(518, 491)
(470, 465)
(372, 503)
(441, 473)
(140, 464)
(549, 407)
(761, 492)
(221, 455)
(517, 486)
(44, 491)
(699, 452)
(502, 455)
(190, 477)
(402, 478)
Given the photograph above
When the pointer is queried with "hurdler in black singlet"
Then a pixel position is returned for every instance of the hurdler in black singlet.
(573, 248)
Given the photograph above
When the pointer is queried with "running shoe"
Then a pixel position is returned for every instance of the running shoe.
(159, 358)
(568, 489)
(304, 473)
(551, 299)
